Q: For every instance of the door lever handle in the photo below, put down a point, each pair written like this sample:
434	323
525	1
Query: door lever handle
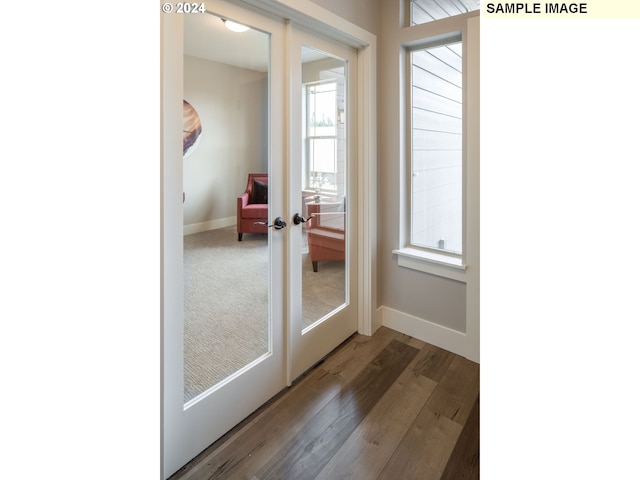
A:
298	219
278	223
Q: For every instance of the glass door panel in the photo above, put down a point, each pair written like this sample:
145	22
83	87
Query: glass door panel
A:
323	192
225	184
324	186
223	308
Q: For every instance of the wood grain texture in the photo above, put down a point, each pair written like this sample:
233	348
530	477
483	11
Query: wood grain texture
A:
424	450
457	390
306	454
379	434
464	462
434	362
382	407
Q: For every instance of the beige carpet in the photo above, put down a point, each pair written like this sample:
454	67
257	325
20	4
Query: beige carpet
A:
226	302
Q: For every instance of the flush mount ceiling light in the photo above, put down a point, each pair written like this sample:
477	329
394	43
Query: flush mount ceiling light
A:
234	27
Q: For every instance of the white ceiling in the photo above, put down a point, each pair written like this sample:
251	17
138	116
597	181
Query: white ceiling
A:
205	36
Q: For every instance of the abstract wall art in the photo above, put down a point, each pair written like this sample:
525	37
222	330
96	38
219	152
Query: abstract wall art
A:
191	129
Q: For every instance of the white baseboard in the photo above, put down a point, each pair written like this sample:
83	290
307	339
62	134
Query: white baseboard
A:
443	337
210	225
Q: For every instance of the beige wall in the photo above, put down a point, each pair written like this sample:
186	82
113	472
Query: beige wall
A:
232	105
364	13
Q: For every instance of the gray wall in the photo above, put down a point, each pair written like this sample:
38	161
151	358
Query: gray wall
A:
436	299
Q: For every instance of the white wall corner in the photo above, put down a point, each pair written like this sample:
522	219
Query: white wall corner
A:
429	332
376	321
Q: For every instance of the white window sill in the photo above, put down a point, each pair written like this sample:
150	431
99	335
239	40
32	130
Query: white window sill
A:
433	263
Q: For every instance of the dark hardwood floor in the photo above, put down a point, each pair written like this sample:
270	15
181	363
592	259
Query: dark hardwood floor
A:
381	407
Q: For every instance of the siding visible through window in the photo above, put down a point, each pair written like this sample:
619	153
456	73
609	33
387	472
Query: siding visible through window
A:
424	11
436	148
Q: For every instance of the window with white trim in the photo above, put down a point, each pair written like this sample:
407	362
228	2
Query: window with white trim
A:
324	130
425	11
436	125
440	77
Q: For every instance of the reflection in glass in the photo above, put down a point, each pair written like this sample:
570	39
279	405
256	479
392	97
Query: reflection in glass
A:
226	293
324	187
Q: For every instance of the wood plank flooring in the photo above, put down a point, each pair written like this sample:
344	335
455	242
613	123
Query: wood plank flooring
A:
382	407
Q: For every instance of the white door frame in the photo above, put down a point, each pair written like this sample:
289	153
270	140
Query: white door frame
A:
310	15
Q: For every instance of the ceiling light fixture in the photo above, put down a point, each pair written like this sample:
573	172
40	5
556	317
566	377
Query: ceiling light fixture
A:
235	27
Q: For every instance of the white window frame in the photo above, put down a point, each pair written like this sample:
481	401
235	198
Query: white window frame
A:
309	138
411	109
426	260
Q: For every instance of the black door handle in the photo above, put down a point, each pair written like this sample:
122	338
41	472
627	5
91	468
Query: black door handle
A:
278	223
298	219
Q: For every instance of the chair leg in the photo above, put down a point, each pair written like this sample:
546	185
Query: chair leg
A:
239	237
315	266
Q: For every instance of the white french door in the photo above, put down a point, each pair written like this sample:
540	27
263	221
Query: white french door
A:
323	192
192	424
311	303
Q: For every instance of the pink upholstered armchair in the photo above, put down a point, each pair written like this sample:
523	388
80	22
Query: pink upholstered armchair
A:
253	205
325	234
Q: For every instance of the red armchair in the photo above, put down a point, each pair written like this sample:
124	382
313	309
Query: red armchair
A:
253	205
325	235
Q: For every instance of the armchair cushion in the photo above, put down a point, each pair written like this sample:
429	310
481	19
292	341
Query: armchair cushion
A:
260	192
258	211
